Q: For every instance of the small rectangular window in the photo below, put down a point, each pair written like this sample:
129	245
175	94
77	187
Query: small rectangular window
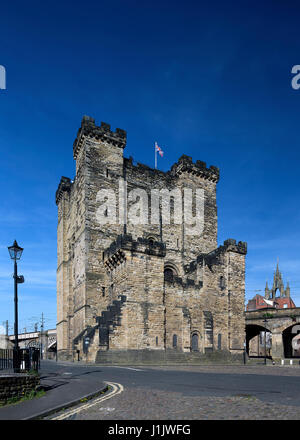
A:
174	341
222	283
103	291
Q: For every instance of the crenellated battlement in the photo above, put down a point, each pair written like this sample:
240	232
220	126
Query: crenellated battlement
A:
199	168
230	245
65	184
185	283
115	254
143	169
103	132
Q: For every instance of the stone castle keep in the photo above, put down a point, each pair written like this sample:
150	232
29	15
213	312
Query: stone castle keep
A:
128	292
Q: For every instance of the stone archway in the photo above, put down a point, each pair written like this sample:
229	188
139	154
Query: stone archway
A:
288	336
255	341
296	345
34	343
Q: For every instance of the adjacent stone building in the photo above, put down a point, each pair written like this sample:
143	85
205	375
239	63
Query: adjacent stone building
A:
277	297
133	277
271	298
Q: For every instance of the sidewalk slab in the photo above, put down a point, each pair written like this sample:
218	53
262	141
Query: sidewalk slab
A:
64	387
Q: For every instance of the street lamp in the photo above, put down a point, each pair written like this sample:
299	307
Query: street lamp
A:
15	253
265	322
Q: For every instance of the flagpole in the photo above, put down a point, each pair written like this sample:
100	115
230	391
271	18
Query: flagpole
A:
155	155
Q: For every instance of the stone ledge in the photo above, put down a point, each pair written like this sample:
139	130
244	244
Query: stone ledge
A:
162	357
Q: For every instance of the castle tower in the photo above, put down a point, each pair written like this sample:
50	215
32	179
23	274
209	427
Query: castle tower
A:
132	272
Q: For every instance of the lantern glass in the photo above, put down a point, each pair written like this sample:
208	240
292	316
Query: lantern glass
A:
15	251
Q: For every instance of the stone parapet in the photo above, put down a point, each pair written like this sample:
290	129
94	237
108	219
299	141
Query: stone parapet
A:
65	184
199	168
103	132
141	245
212	258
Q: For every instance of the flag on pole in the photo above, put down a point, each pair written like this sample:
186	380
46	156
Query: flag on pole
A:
160	152
157	148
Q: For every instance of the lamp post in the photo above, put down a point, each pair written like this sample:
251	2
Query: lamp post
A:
265	322
15	253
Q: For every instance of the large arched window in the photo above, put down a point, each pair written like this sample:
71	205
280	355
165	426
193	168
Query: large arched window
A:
174	341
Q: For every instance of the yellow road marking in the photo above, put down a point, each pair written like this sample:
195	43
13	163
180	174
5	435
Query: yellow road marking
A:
117	388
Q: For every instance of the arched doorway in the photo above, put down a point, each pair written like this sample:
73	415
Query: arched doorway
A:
290	338
258	341
195	342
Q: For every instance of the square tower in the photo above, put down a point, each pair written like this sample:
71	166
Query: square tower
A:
138	263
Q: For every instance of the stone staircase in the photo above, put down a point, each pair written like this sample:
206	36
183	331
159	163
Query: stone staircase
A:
106	323
109	320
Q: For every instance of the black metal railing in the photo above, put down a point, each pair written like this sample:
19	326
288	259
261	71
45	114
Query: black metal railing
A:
6	359
26	359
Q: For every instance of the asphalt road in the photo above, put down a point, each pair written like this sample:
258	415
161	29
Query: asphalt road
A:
269	384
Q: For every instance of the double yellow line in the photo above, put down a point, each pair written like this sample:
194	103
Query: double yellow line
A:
117	388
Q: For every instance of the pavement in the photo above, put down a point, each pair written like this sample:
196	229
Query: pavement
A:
63	389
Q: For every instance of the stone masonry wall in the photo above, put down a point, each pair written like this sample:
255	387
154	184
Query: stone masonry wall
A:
17	385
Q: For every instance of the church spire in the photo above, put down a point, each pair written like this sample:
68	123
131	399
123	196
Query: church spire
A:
267	291
277	282
287	290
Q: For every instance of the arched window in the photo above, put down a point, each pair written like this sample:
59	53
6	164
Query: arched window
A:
174	341
168	274
156	340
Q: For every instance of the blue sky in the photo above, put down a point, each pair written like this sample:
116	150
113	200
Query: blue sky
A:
211	80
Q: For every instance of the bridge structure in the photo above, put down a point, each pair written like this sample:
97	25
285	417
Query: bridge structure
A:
45	340
284	326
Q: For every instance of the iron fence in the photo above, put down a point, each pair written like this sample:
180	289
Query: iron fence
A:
27	359
6	359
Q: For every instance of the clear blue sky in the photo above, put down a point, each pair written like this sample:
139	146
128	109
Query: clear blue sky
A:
208	79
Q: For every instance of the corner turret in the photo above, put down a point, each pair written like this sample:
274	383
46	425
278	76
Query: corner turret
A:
103	132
